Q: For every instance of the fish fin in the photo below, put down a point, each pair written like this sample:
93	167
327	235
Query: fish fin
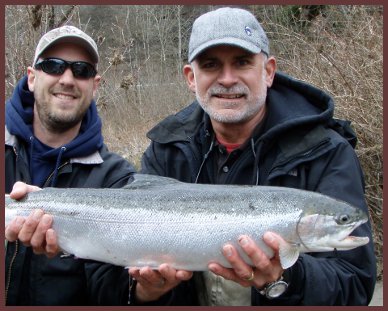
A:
145	181
288	254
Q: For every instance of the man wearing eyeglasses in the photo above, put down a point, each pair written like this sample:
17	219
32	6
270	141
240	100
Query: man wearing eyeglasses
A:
53	139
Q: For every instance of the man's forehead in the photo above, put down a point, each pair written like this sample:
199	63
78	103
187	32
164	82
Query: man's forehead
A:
222	50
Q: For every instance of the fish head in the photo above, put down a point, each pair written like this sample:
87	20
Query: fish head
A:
329	227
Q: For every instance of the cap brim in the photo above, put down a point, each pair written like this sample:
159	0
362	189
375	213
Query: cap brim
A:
225	41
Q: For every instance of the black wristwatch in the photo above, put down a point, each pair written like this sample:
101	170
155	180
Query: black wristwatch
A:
274	289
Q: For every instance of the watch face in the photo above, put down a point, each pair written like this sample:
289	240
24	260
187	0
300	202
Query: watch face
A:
276	289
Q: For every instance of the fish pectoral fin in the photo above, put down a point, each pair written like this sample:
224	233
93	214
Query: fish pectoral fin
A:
288	254
145	181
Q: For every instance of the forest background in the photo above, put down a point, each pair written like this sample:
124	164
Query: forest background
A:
338	48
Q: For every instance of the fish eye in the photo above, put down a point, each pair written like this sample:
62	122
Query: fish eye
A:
343	219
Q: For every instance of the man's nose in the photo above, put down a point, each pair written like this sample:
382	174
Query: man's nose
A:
67	77
228	76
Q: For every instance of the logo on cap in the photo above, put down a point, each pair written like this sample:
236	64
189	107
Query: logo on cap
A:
248	31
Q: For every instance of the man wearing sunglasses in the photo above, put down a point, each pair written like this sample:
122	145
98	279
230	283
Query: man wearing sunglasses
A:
53	139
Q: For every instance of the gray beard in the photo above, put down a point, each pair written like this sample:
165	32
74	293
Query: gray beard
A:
236	117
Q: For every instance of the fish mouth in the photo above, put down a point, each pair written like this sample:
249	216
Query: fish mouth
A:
346	241
350	242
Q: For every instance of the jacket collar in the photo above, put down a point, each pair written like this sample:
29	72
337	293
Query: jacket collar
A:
179	127
94	158
10	140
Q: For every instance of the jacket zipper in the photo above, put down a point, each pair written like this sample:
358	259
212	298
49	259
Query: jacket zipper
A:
15	252
10	270
52	173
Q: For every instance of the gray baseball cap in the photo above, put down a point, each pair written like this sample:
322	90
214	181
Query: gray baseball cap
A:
227	26
67	34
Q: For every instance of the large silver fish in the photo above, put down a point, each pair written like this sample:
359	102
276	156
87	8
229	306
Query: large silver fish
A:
158	220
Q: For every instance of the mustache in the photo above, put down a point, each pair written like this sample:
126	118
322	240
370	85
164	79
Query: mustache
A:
235	89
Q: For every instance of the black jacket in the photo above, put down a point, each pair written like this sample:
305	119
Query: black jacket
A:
300	146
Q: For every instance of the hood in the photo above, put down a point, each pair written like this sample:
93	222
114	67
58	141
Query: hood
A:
290	104
294	104
19	116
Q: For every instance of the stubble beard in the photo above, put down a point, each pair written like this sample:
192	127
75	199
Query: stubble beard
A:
59	122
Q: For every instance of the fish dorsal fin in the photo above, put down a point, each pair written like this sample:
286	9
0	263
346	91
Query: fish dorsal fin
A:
145	181
288	254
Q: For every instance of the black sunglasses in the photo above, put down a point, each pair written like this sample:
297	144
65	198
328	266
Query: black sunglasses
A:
57	66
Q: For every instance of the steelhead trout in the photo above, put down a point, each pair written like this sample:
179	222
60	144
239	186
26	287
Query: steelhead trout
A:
157	220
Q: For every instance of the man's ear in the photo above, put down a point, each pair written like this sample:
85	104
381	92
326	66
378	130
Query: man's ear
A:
96	84
188	72
31	78
270	68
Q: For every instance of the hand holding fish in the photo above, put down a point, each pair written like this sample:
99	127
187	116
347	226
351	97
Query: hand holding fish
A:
34	230
152	284
265	269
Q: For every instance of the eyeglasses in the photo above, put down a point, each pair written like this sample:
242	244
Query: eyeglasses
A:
57	66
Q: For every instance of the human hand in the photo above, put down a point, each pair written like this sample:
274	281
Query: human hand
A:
265	269
152	284
34	230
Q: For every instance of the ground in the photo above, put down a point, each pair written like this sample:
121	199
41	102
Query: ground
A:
377	299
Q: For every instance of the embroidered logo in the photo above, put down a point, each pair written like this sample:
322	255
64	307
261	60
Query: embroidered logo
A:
248	31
